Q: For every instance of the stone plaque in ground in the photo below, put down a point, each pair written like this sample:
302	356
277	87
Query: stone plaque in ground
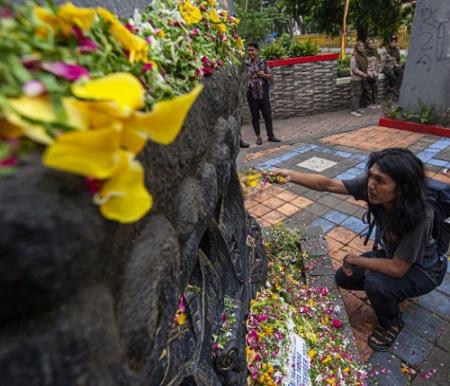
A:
427	73
317	164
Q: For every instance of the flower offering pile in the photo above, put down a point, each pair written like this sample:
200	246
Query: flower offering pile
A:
289	306
91	89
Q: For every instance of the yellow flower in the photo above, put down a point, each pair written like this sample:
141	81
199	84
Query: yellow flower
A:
65	18
212	3
81	17
31	114
180	319
136	46
161	34
331	381
123	197
312	354
213	16
86	153
190	13
122	88
165	121
222	28
253	179
239	43
224	14
326	359
311	337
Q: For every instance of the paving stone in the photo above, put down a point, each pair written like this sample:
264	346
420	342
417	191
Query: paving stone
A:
444	339
320	266
298	189
445	286
313	242
348	208
325	225
386	370
318	209
330	201
437	367
335	216
421	381
303	217
355	224
314	196
423	323
411	348
436	301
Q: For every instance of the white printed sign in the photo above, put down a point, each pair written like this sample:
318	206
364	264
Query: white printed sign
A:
299	375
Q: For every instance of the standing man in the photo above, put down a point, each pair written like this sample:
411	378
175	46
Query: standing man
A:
258	76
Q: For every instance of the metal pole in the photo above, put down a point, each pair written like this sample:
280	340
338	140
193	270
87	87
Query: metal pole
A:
344	29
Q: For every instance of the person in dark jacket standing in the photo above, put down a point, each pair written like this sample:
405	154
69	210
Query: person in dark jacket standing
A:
370	88
392	67
258	76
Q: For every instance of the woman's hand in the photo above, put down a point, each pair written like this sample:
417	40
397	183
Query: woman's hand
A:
286	173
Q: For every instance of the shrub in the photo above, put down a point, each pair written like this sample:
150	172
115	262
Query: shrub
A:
273	51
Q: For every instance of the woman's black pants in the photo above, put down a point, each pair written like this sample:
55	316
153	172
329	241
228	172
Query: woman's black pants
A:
255	106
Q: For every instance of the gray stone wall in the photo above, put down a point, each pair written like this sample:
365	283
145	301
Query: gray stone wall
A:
309	88
86	301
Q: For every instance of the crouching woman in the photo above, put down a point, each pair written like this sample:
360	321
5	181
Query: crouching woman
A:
403	264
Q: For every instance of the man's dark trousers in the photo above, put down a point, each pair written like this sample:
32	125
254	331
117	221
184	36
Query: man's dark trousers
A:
264	105
385	292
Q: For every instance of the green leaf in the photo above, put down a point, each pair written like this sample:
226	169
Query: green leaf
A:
7	171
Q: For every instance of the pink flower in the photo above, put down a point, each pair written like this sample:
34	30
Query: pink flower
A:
6	13
9	161
336	323
262	318
224	317
93	185
182	304
33	88
215	346
130	27
323	291
70	72
195	32
223	37
85	45
149	40
147	67
31	62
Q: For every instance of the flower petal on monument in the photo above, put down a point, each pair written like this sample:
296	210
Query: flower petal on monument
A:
165	121
87	153
81	17
123	197
121	87
133	140
136	46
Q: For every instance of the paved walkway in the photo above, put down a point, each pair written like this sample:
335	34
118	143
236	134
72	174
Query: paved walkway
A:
421	354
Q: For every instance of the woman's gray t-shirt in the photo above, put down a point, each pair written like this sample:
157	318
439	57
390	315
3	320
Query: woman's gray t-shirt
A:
417	246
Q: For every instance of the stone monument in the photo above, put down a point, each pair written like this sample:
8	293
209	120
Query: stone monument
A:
427	73
85	301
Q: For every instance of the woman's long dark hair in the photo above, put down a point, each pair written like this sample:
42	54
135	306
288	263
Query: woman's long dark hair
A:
409	175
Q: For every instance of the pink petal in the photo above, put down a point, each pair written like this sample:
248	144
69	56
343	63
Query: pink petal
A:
10	161
70	72
87	45
33	88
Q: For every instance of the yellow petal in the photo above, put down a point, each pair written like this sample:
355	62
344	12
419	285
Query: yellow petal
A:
121	87
165	121
87	153
133	140
136	46
100	114
123	197
81	17
41	109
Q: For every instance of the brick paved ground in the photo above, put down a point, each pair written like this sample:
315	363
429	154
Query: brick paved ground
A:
424	344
